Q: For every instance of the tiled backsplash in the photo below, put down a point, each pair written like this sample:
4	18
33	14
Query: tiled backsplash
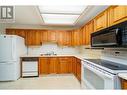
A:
49	47
90	53
115	55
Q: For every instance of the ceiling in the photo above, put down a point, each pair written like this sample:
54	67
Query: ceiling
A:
30	15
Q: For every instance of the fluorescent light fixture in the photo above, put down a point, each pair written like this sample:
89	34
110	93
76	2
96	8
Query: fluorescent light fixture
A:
75	9
59	19
67	14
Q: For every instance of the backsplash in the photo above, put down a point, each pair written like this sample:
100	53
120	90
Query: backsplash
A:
52	47
90	53
115	55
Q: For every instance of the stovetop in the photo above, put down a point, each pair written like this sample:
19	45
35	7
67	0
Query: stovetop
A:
108	64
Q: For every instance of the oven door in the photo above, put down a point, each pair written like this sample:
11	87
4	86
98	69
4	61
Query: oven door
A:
95	79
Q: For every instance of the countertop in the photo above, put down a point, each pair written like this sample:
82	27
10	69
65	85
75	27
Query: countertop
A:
79	56
123	75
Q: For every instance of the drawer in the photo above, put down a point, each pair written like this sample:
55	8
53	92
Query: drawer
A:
29	66
29	74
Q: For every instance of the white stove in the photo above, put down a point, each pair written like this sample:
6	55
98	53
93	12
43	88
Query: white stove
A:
101	74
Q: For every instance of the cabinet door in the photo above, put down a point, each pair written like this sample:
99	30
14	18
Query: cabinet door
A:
124	84
10	31
44	36
117	14
77	37
70	62
78	63
53	65
63	63
52	36
34	37
43	65
74	70
101	21
88	30
83	35
19	32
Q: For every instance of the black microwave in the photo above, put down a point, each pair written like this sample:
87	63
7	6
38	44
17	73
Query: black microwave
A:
114	36
106	38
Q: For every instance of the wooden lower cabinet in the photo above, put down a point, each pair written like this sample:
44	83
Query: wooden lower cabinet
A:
53	65
43	65
78	69
60	65
124	84
65	65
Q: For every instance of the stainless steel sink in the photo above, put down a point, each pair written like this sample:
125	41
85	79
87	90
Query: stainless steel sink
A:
48	54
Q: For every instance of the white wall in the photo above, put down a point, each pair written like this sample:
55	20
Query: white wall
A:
2	28
115	55
49	47
90	53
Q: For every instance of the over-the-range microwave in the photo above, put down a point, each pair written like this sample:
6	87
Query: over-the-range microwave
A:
115	36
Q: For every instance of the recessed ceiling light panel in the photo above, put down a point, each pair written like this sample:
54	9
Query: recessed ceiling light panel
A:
62	9
59	19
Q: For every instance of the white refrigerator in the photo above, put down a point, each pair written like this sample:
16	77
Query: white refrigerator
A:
11	48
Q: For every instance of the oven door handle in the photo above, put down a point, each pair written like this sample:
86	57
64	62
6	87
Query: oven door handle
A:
99	72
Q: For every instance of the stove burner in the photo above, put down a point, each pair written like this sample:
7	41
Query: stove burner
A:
108	64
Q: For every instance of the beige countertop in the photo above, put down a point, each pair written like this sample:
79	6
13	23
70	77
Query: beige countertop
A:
75	55
123	75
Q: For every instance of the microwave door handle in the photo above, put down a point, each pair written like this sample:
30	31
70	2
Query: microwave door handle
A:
99	73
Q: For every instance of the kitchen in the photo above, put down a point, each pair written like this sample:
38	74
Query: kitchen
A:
77	47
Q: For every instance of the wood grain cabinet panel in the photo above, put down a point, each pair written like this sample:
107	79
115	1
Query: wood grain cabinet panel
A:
52	36
117	14
86	33
33	38
101	21
53	65
78	69
77	37
44	65
19	32
44	36
63	63
74	66
124	84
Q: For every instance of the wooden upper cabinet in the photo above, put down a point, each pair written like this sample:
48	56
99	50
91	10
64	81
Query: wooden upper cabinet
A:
33	37
87	30
101	21
83	35
19	32
64	38
44	36
48	36
77	37
52	36
117	14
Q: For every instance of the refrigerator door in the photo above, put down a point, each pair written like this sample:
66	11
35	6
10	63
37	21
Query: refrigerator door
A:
9	71
6	48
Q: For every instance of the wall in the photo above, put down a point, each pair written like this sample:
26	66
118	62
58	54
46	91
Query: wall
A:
2	28
90	53
115	55
49	47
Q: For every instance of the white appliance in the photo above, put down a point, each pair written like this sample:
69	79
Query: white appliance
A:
30	67
11	48
101	74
